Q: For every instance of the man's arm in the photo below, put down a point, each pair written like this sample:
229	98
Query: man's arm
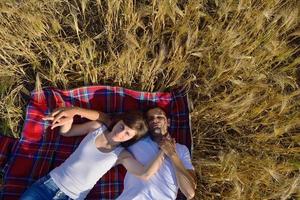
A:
185	178
135	167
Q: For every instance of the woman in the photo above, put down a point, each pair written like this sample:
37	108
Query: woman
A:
98	152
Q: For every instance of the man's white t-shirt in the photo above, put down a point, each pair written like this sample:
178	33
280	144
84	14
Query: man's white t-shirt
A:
163	184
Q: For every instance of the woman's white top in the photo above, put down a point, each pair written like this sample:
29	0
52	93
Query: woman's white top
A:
84	167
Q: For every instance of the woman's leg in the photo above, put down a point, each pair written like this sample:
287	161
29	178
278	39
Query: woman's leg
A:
44	189
37	190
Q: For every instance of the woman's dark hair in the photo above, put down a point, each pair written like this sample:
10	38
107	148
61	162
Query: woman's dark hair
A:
136	121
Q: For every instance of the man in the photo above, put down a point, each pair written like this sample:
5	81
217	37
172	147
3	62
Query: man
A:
175	173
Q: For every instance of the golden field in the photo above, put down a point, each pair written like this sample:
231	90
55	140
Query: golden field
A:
239	61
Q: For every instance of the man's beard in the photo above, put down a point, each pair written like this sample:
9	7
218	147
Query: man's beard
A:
156	134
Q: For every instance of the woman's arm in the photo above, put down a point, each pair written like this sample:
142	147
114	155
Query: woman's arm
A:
79	129
68	129
62	114
63	118
135	167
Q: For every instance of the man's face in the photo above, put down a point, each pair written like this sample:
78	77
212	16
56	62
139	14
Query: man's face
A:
157	118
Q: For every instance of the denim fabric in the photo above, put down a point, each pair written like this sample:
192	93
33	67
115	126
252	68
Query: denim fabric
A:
44	189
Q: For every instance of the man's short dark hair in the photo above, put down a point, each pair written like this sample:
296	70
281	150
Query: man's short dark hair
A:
157	107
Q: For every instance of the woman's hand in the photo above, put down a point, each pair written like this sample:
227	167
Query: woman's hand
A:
62	117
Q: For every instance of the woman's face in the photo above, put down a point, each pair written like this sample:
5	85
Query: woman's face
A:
121	132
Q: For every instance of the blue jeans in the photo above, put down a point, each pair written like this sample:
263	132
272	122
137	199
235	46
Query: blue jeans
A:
44	189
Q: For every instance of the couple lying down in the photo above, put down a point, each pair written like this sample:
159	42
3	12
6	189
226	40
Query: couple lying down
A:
156	165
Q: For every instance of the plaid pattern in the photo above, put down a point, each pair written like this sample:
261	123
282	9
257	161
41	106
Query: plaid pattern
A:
41	149
7	145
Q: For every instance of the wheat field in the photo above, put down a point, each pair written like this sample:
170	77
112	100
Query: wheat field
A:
238	59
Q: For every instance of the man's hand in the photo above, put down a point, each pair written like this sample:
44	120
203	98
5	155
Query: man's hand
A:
61	116
168	146
186	181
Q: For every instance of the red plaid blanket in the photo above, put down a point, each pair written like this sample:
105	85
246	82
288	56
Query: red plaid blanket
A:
40	149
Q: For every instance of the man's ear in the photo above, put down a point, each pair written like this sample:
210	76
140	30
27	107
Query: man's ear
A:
169	122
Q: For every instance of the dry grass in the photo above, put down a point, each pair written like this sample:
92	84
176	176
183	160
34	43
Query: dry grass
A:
239	60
